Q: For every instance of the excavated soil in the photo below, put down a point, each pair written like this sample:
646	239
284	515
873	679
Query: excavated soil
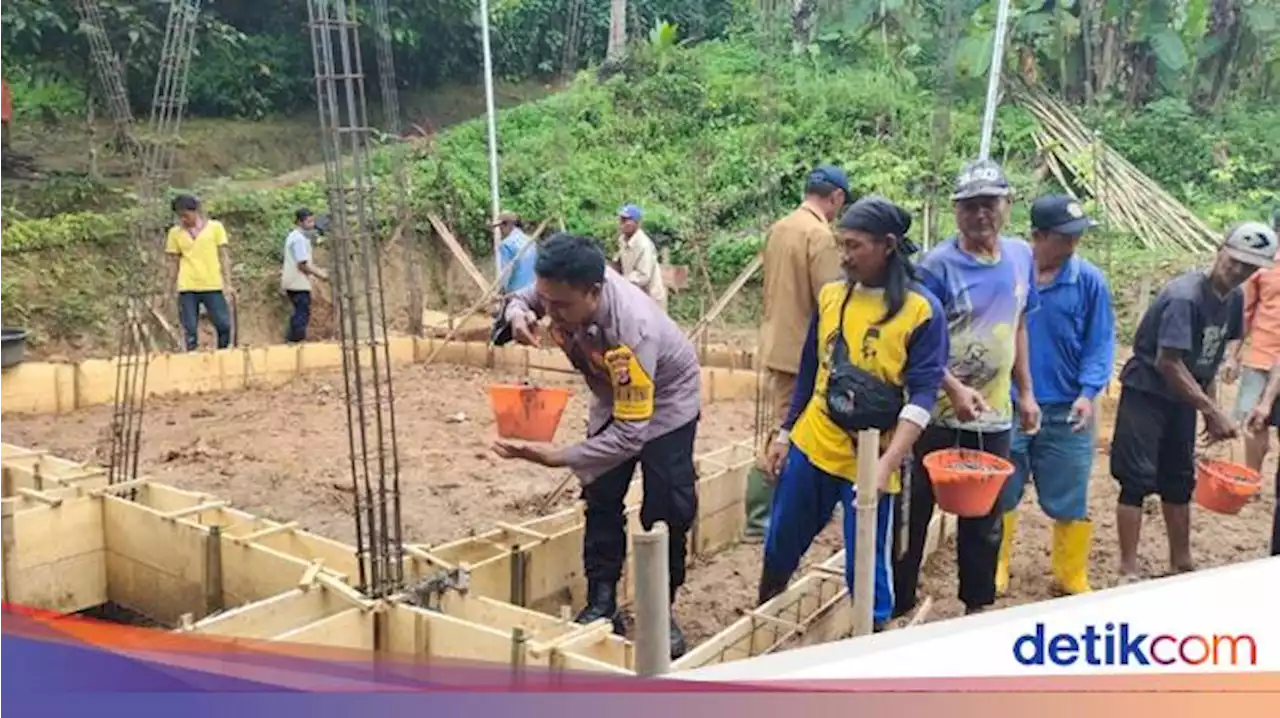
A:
283	454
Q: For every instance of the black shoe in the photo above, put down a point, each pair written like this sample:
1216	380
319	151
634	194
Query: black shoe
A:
678	646
771	584
602	602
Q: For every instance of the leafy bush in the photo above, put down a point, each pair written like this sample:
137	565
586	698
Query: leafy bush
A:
252	77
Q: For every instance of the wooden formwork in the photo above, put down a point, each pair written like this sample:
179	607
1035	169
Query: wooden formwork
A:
61	387
190	561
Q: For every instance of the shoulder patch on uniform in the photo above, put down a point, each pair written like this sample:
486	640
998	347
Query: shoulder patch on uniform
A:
633	390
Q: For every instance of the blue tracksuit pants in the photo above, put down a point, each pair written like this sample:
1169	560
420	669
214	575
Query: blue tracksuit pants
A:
803	502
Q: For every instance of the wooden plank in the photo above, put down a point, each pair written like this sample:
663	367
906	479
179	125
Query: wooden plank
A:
155	566
459	253
350	629
197	509
54	557
430	635
252	572
722	303
274	615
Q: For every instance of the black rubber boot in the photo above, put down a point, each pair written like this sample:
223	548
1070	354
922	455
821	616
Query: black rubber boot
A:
602	602
771	584
678	646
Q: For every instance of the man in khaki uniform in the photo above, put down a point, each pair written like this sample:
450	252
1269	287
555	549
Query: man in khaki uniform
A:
800	256
638	257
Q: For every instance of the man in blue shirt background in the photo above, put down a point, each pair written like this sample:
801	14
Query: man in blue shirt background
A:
514	240
1072	341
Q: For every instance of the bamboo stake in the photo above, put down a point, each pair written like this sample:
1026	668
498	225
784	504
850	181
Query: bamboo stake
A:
864	560
489	294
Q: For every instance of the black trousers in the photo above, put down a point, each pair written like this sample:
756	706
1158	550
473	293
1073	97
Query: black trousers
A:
1275	520
670	495
301	317
977	539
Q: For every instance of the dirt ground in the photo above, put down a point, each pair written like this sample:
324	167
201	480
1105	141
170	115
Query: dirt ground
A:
283	454
1216	540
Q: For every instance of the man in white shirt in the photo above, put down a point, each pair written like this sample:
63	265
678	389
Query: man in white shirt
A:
296	273
638	257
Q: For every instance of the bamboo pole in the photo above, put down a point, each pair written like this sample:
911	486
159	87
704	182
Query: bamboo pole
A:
1134	201
864	557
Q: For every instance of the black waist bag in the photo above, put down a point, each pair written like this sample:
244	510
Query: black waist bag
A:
856	399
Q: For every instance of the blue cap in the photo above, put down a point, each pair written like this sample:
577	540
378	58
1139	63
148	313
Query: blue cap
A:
831	175
631	212
1060	213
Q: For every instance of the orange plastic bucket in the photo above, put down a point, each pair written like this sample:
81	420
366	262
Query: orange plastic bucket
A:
1225	487
966	482
527	412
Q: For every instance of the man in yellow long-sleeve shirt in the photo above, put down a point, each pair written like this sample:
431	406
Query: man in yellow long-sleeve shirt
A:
874	357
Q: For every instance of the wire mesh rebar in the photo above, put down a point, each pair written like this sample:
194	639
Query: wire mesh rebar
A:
357	286
133	356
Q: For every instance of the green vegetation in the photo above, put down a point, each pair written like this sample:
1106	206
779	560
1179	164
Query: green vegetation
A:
713	139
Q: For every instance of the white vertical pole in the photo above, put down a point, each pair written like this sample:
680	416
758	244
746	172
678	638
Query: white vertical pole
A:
993	80
493	132
653	601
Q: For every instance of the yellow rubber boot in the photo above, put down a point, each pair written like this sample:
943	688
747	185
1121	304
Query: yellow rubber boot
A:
1010	519
1071	556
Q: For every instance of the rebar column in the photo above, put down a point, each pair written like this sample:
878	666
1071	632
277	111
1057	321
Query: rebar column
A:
357	285
133	356
107	68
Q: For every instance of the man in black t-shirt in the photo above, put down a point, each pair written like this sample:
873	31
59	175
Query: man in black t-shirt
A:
1176	353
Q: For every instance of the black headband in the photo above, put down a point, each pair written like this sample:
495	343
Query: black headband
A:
876	215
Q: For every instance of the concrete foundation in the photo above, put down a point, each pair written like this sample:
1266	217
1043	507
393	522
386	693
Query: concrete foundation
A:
195	564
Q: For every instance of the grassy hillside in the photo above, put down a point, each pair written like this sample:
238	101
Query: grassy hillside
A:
712	140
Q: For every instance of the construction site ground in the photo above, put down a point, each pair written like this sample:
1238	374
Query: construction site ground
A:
282	453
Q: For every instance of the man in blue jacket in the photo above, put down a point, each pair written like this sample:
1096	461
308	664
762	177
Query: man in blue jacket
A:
1072	343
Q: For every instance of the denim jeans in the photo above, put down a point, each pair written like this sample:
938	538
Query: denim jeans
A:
301	317
215	305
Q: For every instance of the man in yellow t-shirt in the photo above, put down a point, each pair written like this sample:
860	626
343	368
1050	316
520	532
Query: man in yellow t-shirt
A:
201	268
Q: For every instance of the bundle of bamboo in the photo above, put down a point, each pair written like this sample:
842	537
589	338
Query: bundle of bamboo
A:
1128	198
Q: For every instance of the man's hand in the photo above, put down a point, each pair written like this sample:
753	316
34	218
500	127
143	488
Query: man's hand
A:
1081	414
1218	426
884	473
1230	371
969	403
523	329
1258	418
541	455
1028	414
774	458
